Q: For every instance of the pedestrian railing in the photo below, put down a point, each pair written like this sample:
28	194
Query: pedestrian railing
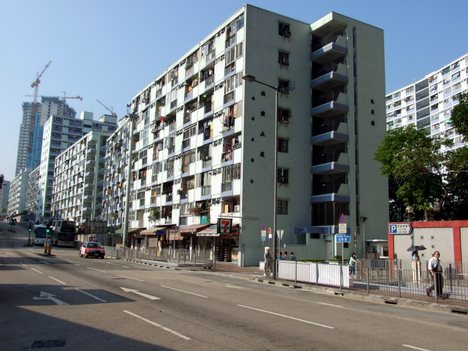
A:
168	255
313	272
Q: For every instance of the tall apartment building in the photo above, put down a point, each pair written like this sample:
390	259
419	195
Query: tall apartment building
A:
78	179
33	200
4	194
205	138
17	194
31	129
117	167
59	134
428	103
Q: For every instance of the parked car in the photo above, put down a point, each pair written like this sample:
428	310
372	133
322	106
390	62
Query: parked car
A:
92	249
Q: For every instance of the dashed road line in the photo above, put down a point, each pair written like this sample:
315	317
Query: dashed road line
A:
95	269
37	271
131	278
158	325
91	295
288	317
57	280
185	292
329	304
415	347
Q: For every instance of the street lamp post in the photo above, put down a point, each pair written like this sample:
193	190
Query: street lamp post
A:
252	78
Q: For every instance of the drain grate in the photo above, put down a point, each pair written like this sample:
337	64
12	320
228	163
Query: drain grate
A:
47	344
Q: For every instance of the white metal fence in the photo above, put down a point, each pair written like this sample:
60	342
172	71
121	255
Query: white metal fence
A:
316	273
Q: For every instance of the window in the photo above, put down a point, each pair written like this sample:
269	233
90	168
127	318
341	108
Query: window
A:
283	86
284	29
283	145
283	176
284	115
282	207
283	58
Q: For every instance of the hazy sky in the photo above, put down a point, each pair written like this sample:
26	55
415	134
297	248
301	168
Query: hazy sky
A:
110	49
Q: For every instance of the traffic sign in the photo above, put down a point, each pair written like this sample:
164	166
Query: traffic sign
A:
343	238
399	228
342	228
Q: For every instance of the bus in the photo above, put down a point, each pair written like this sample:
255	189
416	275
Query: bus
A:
63	233
40	232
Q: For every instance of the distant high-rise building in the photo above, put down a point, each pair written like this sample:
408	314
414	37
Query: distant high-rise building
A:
4	194
59	134
31	129
428	103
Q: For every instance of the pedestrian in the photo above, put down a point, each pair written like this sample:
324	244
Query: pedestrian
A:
268	263
416	265
286	256
293	257
435	270
281	256
352	264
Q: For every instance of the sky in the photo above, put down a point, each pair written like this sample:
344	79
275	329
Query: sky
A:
109	50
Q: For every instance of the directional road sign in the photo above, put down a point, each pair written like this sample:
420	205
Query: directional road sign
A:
343	238
399	228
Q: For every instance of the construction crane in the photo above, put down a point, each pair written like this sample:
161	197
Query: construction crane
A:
107	108
60	97
37	81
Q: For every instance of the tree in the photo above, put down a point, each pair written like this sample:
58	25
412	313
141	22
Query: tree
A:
412	160
456	200
154	215
459	116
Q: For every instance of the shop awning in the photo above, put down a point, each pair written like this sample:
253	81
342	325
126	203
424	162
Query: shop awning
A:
193	228
154	231
212	231
135	230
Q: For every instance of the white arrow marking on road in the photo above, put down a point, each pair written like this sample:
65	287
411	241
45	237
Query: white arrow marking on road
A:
151	297
158	325
286	316
49	296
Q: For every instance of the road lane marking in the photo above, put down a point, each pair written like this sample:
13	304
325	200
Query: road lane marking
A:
329	304
286	316
35	270
24	265
48	296
95	269
124	276
57	280
45	262
151	297
158	325
414	347
185	292
234	287
90	295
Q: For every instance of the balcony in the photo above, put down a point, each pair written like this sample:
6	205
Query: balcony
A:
328	138
333	48
336	76
339	166
335	105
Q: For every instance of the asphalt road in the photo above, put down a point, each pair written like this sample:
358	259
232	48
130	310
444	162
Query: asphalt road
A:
65	302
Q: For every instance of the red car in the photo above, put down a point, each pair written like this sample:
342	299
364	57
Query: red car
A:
92	249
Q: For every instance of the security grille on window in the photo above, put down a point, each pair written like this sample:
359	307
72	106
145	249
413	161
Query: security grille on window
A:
283	86
282	207
284	115
284	29
283	58
283	175
283	145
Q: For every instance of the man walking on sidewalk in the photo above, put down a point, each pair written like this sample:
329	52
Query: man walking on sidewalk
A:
435	270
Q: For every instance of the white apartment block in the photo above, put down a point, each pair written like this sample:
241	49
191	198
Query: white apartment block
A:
4	194
78	179
59	134
33	203
116	175
205	138
428	103
18	188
